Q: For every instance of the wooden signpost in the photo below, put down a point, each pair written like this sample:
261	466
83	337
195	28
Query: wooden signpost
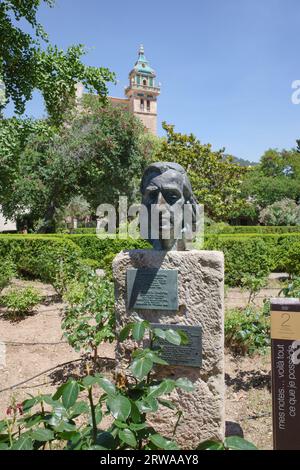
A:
285	352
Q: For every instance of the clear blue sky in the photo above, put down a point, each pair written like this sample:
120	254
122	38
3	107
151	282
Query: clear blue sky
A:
226	66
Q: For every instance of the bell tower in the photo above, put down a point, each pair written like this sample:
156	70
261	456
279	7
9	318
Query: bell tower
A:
142	92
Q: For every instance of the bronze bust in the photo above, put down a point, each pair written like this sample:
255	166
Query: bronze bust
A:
171	210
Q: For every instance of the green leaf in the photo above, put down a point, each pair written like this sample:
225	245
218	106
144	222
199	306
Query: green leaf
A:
88	381
4	446
210	445
143	407
33	420
167	403
107	386
141	367
137	426
159	333
166	386
64	426
185	384
162	443
138	330
23	443
183	337
127	436
70	394
173	337
49	400
120	424
79	408
238	443
124	333
28	404
156	359
105	440
98	414
135	413
42	435
119	407
148	405
59	391
153	403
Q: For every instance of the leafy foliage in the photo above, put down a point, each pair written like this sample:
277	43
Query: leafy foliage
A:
44	420
7	271
247	330
25	65
245	256
89	316
253	284
230	443
284	212
99	156
216	180
20	302
292	289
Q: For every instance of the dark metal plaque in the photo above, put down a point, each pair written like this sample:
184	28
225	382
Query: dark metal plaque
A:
154	289
184	355
285	354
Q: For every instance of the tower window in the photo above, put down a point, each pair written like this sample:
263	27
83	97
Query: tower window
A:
148	105
142	105
144	82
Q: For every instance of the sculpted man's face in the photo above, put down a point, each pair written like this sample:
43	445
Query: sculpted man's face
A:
164	199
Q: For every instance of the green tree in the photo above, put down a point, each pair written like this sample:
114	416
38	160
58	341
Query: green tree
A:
100	155
215	178
26	65
276	177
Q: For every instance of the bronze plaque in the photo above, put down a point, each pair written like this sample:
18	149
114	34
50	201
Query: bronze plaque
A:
183	355
152	289
285	353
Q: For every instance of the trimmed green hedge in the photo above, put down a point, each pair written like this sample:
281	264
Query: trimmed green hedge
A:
244	256
240	229
256	254
40	256
84	230
224	228
97	248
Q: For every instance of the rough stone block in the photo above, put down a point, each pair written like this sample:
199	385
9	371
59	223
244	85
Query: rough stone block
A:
200	301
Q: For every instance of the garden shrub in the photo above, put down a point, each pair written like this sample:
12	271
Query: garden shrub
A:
288	256
20	302
247	330
97	248
7	272
41	257
243	257
89	316
84	230
239	229
284	212
292	288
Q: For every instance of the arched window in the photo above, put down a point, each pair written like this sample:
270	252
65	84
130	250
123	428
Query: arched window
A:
145	82
142	105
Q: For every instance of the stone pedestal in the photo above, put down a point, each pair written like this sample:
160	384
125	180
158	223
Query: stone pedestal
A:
200	302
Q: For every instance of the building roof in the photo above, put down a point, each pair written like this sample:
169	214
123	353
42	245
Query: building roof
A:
142	64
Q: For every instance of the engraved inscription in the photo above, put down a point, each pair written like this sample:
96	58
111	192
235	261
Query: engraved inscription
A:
183	355
154	289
